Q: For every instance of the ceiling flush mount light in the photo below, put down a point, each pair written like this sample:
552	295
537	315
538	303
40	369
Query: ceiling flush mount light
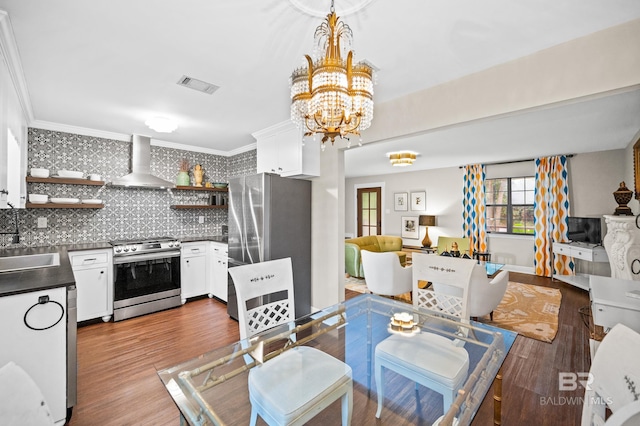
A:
332	96
402	159
161	124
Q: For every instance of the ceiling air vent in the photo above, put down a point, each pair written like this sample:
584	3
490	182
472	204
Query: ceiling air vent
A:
199	85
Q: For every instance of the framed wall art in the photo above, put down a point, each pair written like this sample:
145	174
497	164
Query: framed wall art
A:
400	201
410	227
418	201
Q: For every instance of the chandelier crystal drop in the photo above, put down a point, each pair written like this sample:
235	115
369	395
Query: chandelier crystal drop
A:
332	96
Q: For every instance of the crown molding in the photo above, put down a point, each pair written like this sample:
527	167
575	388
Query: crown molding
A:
9	51
283	126
58	127
193	148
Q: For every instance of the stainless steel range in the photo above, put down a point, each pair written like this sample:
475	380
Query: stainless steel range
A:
146	276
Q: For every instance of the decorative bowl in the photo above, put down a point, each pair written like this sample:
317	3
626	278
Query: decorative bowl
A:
220	185
38	198
40	173
70	174
65	200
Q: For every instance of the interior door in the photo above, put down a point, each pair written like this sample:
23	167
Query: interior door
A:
369	206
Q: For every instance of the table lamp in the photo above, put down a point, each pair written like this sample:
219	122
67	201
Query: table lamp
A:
426	221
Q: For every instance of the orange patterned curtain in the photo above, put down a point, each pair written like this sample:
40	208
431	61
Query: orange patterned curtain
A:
551	216
474	208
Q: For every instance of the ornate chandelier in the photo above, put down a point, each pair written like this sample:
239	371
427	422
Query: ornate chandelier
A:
332	96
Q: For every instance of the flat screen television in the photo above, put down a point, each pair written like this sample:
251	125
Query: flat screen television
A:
585	230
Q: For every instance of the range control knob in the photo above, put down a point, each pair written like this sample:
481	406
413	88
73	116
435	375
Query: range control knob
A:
171	244
126	249
177	243
118	249
134	248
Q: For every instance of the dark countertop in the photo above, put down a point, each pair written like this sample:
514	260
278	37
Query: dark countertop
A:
59	276
36	279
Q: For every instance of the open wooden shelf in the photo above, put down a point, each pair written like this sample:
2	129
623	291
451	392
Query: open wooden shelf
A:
66	181
202	188
196	206
64	206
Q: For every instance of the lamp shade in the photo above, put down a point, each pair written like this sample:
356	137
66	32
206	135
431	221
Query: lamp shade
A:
427	220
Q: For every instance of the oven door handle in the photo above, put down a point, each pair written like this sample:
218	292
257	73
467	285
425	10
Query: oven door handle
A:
143	257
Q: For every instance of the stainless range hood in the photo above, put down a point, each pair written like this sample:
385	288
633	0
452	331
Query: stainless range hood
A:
140	176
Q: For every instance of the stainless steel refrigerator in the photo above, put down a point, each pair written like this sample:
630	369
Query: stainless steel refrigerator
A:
270	218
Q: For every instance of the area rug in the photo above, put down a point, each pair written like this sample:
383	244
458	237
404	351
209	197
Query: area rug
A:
529	310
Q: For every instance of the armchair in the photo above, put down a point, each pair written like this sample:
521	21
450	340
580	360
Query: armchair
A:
385	275
484	294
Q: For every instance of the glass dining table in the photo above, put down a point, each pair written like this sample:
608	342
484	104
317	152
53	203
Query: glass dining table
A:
211	389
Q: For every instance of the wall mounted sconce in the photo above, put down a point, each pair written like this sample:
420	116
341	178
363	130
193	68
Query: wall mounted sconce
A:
426	221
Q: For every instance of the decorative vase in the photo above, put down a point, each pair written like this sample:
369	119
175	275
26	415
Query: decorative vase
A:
623	196
198	173
183	179
426	242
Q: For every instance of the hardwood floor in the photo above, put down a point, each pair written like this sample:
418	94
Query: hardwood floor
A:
118	385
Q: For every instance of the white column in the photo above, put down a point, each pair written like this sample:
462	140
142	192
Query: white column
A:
622	243
327	230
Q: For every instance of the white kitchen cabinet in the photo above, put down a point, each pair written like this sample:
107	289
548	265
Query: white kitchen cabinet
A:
588	252
218	281
13	135
193	270
41	353
280	150
93	272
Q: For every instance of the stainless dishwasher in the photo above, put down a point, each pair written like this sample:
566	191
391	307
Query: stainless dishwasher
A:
72	349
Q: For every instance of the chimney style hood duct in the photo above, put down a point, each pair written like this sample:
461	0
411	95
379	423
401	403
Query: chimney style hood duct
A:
140	176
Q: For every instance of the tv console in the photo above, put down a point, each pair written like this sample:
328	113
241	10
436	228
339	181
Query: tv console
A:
584	251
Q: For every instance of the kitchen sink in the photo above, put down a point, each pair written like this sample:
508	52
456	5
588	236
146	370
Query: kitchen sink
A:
29	261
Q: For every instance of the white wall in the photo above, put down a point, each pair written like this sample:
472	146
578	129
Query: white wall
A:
444	200
597	63
592	179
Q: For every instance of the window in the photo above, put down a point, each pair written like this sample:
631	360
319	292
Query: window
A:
509	203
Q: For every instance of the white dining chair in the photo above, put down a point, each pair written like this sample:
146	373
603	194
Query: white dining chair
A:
294	386
21	399
385	275
614	380
430	359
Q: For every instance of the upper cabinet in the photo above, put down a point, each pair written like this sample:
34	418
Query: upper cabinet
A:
13	126
281	151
